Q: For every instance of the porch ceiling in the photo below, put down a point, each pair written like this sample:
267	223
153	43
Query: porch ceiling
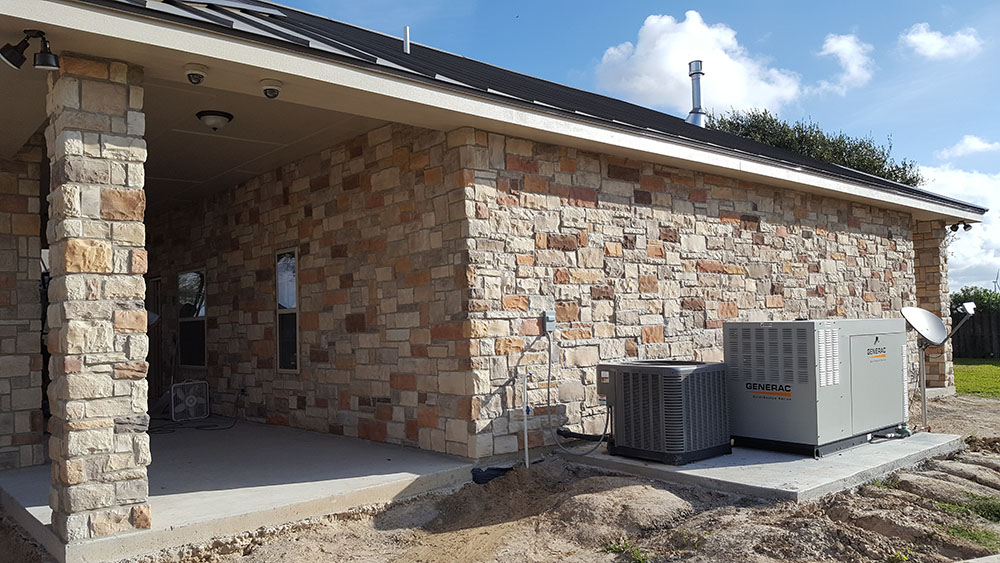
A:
186	160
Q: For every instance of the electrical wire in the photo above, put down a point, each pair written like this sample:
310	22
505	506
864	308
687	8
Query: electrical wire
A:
548	405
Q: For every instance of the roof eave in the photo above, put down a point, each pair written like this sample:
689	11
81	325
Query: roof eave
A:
476	105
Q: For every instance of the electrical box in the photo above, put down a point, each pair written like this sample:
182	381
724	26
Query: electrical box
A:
668	411
815	386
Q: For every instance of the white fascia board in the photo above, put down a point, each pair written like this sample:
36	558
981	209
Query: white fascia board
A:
505	117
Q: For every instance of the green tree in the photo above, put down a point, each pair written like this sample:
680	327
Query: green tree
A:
986	300
806	138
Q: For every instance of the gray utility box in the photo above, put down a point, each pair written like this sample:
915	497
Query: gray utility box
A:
672	412
815	386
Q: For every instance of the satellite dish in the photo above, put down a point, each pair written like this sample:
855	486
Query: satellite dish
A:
927	324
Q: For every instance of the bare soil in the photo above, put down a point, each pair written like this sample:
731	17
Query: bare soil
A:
945	510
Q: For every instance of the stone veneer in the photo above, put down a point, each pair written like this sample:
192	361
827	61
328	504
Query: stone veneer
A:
648	261
378	223
931	267
21	423
426	260
97	321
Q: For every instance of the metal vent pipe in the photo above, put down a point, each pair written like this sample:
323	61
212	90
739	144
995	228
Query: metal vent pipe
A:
697	115
406	39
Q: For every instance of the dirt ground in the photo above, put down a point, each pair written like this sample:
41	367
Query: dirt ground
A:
946	510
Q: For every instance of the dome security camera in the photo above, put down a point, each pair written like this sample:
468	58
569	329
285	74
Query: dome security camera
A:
195	73
271	88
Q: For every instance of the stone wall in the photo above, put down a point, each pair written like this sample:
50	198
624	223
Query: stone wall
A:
378	223
426	260
649	261
21	422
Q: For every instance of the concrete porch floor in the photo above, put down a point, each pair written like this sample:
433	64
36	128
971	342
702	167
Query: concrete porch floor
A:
785	476
205	484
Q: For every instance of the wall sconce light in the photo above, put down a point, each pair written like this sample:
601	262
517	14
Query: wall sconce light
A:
13	55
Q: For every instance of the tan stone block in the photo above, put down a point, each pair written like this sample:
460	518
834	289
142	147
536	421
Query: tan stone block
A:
567	311
123	205
461	137
89	442
86	256
129	233
515	302
141	517
87	337
135	97
103	97
648	284
652	334
728	310
64	94
123	148
84	386
582	356
520	147
82	67
118	72
124	287
509	345
112	521
774	301
130	321
139	262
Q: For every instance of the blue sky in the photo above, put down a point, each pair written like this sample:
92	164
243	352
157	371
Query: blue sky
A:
923	73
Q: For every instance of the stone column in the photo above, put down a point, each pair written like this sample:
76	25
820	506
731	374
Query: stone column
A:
99	446
931	276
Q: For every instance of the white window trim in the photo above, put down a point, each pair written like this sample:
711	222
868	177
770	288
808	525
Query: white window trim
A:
203	319
277	312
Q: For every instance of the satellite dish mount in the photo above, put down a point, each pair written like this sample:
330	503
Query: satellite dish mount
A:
932	333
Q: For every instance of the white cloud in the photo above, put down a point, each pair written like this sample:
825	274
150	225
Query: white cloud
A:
970	144
974	257
855	63
938	46
654	70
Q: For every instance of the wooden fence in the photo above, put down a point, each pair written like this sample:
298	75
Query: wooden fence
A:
979	338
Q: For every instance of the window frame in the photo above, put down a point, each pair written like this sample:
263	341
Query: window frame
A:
203	319
278	312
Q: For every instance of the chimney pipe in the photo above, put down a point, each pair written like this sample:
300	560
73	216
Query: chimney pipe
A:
406	39
697	115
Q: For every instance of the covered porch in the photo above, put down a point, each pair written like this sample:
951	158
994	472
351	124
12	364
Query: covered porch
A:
104	161
205	484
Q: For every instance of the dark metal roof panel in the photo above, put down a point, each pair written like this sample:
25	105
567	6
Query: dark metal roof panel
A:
275	24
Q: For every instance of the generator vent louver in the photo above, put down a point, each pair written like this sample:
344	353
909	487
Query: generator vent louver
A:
667	411
772	354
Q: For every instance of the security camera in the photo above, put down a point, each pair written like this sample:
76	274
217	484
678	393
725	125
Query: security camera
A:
271	88
195	73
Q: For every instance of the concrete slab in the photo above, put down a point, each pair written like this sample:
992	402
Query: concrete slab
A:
205	484
938	392
784	476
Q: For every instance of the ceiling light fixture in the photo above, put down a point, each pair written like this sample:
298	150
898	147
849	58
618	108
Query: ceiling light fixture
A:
13	55
214	119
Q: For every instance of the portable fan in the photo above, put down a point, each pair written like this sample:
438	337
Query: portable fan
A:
189	401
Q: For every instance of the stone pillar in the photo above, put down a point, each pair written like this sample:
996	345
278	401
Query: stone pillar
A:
99	446
931	276
22	440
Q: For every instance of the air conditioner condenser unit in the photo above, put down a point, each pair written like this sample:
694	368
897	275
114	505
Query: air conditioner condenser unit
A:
667	411
815	387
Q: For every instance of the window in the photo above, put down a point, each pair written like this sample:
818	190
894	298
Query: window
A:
286	279
191	300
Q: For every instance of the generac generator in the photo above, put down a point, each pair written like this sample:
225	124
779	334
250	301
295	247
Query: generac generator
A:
667	411
815	387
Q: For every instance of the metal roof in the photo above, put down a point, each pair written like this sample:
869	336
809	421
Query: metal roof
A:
286	27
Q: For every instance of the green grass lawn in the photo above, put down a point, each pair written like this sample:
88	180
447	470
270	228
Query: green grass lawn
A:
978	377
